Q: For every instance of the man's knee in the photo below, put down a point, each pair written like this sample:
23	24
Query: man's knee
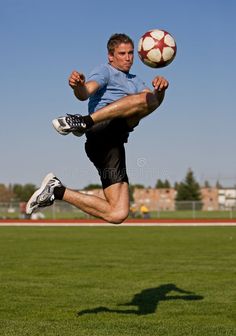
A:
148	102
119	216
153	101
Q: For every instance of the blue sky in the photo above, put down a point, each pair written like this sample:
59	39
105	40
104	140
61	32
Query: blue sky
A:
43	41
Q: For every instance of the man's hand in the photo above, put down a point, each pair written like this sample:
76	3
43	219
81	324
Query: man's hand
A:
82	89
76	80
160	83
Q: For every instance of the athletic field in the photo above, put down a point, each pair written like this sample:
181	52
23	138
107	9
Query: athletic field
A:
118	281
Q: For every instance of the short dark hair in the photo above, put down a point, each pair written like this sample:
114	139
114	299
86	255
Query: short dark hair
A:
116	39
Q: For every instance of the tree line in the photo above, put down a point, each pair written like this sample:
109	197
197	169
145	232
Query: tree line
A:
187	190
16	192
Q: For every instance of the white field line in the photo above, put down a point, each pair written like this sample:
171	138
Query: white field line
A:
206	224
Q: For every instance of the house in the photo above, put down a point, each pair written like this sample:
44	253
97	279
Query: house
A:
209	199
163	199
155	199
227	198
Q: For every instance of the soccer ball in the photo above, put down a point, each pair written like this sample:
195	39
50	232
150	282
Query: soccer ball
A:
157	48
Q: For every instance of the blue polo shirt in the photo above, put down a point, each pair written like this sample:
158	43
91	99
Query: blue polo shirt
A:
114	84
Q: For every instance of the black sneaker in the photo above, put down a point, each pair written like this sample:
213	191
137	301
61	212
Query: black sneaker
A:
71	123
44	196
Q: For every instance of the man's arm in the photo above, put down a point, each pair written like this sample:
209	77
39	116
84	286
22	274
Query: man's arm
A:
82	89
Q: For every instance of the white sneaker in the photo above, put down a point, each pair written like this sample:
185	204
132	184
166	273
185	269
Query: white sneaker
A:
44	196
70	123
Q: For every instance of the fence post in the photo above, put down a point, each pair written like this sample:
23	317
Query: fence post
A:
158	211
53	211
193	210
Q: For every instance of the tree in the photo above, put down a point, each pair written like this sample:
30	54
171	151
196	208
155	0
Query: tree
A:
189	190
6	194
159	184
131	190
138	186
218	185
162	185
92	186
167	184
176	185
22	193
207	184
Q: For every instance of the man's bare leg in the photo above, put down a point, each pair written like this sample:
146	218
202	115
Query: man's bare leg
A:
137	105
114	208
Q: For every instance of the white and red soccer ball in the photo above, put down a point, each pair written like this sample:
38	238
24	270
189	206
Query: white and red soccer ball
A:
157	48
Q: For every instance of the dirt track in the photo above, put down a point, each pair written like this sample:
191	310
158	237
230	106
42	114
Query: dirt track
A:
129	222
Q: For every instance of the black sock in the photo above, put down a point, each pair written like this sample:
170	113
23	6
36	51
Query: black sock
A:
59	192
88	121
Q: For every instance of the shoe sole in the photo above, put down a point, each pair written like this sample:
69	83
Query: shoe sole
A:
47	178
57	127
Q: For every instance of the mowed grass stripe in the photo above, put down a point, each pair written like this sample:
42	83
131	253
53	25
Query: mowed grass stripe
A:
117	281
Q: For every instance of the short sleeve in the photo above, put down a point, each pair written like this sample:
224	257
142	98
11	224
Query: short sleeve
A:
100	75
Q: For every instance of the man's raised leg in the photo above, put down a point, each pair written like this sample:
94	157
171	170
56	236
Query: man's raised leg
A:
135	106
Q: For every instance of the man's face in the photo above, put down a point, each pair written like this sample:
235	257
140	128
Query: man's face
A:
123	57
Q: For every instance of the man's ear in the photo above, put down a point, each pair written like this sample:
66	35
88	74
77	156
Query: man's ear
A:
110	58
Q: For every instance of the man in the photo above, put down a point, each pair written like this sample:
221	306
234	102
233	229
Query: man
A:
118	100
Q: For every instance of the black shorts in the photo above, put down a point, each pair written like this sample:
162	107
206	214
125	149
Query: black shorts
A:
105	148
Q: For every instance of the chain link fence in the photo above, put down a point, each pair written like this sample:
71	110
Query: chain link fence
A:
61	210
194	210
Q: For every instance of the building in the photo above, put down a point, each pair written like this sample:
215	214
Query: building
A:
163	199
210	199
155	199
227	198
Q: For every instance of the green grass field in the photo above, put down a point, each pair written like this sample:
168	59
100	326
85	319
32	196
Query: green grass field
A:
118	281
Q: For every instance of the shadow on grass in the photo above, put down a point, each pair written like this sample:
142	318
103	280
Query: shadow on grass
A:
147	300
